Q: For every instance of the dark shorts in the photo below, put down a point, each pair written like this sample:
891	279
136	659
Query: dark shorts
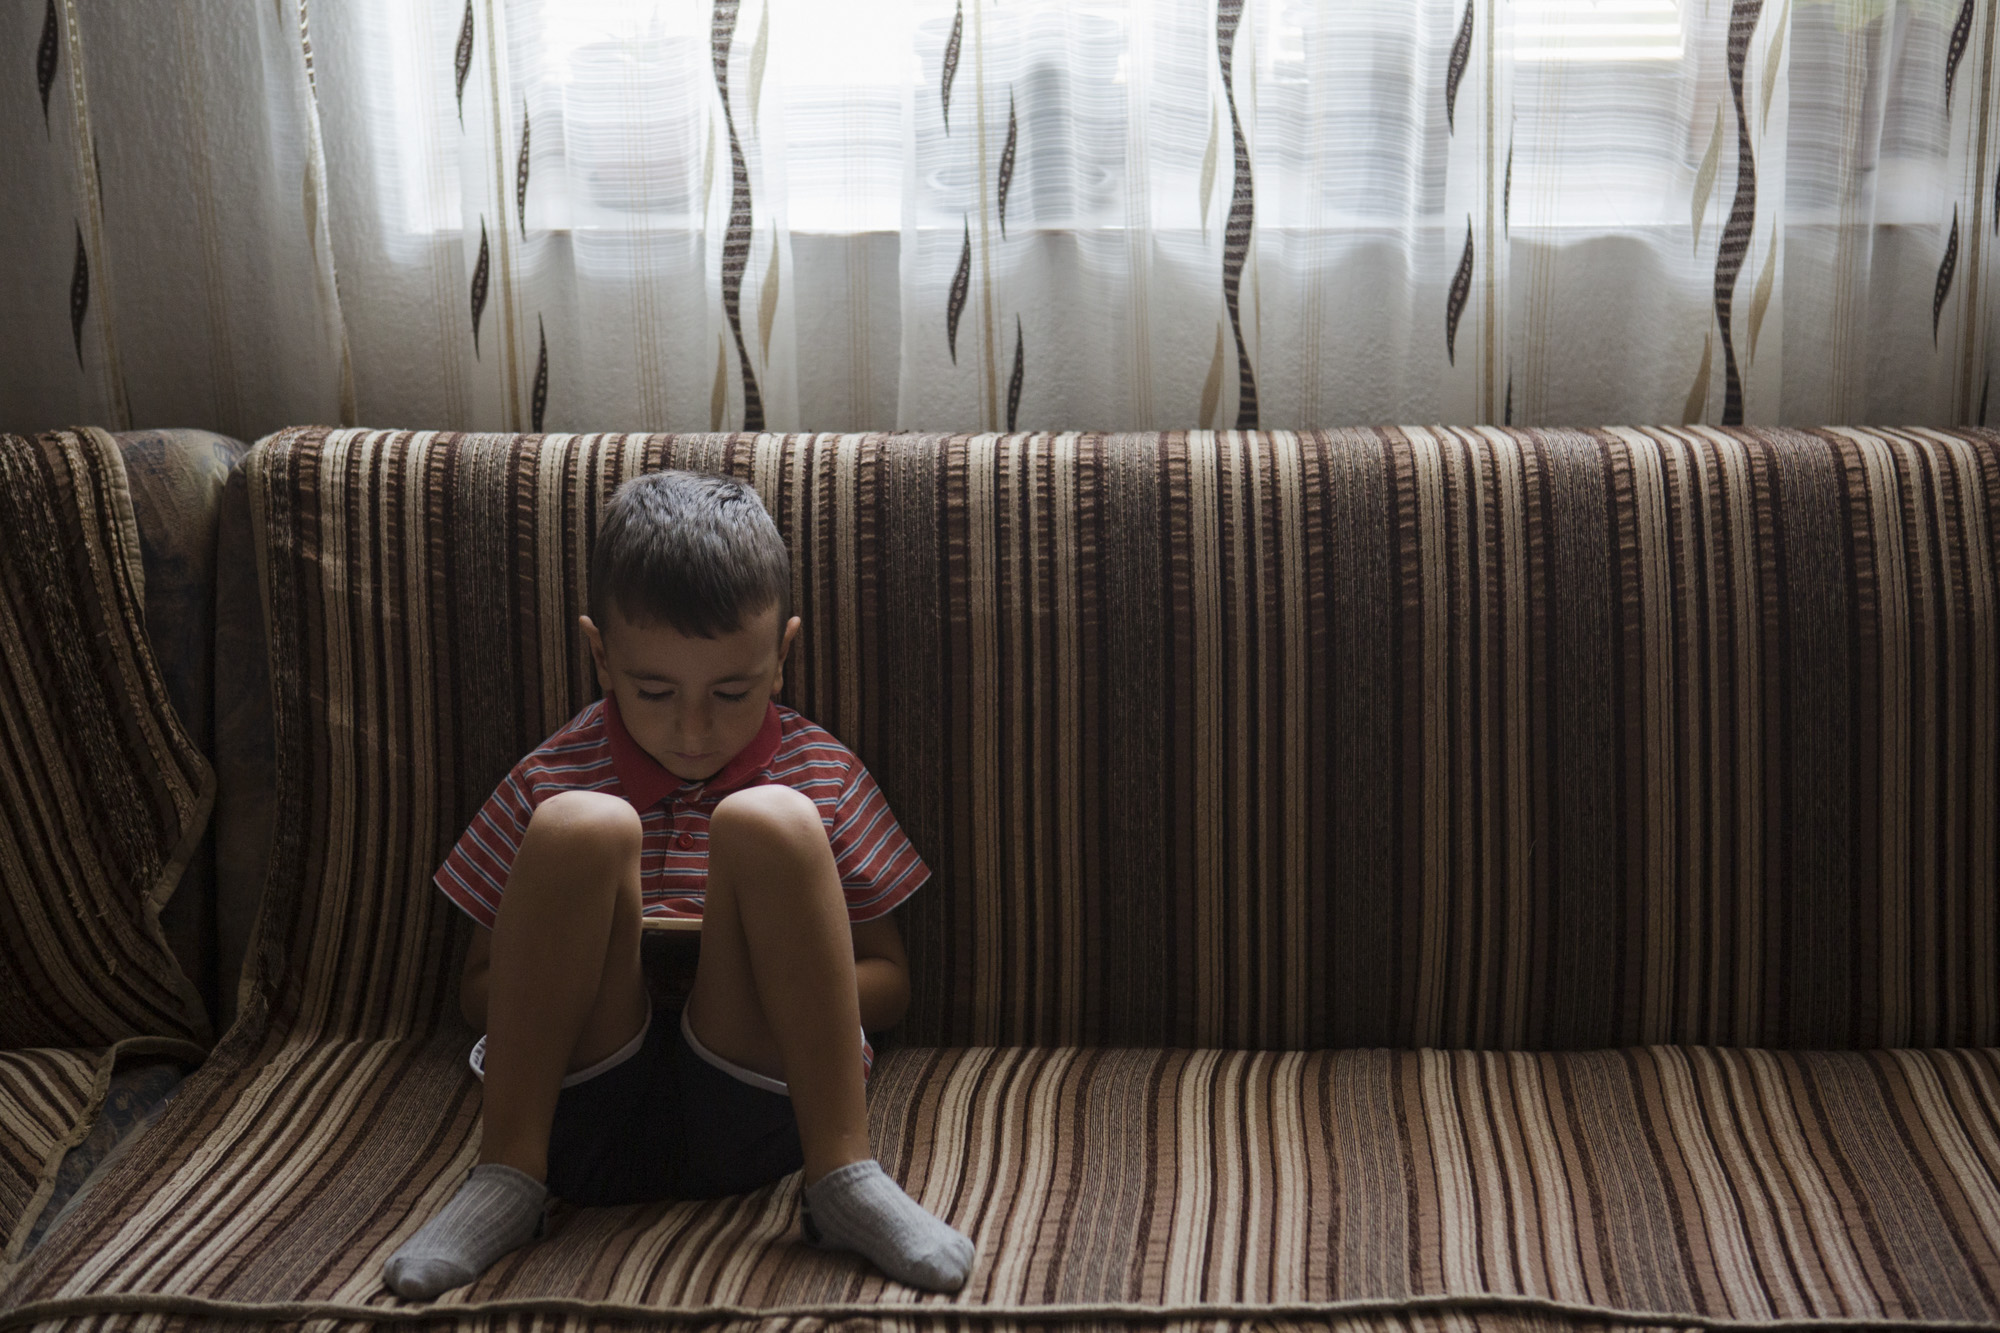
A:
666	1124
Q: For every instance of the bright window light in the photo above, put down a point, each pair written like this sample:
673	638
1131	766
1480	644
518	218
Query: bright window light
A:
1597	30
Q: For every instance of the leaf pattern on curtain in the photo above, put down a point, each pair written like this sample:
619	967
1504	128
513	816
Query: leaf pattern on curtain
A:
1742	212
1461	291
79	295
480	272
1207	186
1242	210
1774	57
461	60
1007	161
521	174
718	397
1946	268
541	400
961	285
45	61
1211	388
707	170
1507	414
1697	403
1507	191
767	303
1014	380
1762	299
951	62
736	239
1461	53
1704	180
760	52
1961	35
309	205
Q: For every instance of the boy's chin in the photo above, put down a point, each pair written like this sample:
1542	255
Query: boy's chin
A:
694	770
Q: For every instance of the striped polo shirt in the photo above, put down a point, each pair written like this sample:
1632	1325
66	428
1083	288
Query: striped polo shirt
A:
594	752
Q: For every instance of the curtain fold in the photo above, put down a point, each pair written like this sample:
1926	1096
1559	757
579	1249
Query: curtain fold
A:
973	215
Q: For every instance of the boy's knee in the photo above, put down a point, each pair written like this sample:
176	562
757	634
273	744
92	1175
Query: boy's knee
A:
588	824
766	815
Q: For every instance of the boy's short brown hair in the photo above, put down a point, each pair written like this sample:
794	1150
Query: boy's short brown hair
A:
690	549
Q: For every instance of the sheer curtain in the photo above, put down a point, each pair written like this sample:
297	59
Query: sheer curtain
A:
998	214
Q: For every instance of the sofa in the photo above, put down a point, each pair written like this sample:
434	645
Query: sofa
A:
1385	878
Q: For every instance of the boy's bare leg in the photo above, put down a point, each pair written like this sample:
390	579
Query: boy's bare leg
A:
563	991
565	988
775	992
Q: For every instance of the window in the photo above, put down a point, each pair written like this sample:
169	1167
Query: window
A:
1597	30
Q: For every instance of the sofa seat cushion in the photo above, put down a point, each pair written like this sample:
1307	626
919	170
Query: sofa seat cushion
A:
44	1101
62	1115
1740	1186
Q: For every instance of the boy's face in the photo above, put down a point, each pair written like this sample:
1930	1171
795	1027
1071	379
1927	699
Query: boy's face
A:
691	703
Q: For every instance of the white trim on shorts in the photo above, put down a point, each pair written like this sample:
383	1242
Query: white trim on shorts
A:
618	1057
730	1067
477	1059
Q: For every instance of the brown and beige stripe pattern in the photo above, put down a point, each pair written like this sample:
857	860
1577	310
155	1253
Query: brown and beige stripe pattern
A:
1456	738
102	794
1493	739
1482	739
1673	1186
45	1101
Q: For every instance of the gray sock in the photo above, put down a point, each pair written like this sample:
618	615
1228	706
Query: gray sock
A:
497	1209
859	1208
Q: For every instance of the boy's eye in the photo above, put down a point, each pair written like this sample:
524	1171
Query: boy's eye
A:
736	698
654	696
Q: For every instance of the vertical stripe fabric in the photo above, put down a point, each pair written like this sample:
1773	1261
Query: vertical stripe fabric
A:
1420	738
45	1101
1676	742
1117	1188
103	795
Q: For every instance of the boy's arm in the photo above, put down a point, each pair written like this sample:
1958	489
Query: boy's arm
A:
472	982
881	972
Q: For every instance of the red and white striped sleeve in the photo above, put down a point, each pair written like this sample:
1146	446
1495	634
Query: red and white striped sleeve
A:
878	866
475	873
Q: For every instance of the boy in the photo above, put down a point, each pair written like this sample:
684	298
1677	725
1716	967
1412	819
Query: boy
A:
685	792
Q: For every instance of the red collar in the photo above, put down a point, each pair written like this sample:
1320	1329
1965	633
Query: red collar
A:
646	780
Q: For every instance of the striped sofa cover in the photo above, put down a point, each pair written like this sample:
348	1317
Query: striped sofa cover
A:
1485	879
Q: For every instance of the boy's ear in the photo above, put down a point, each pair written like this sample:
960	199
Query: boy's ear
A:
596	641
785	651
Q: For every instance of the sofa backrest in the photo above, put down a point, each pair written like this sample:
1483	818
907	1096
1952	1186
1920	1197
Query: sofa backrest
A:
176	478
1476	738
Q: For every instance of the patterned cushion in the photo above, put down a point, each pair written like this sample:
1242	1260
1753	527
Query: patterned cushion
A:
105	795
